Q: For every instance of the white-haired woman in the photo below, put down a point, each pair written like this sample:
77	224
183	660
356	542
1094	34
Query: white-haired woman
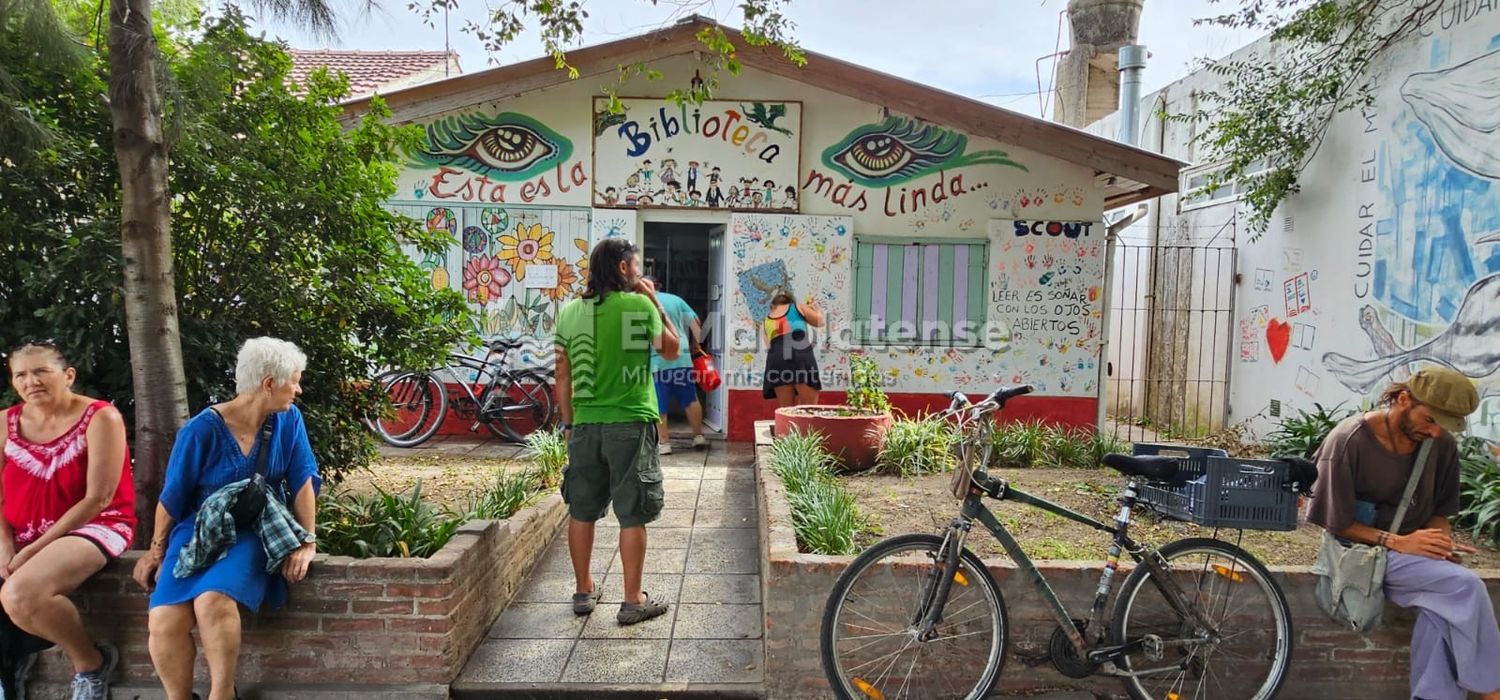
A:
215	453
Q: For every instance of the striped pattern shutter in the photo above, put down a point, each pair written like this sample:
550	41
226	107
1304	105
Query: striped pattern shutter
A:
920	293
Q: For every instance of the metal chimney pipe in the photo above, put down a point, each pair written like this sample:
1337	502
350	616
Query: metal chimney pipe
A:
1132	63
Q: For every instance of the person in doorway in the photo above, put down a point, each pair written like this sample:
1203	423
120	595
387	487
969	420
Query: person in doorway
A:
791	374
674	378
69	509
1363	468
605	392
207	558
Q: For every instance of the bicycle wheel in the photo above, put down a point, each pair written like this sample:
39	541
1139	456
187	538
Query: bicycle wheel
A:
517	405
1246	652
380	380
869	639
418	405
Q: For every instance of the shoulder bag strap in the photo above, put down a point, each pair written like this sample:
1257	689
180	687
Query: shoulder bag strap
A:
263	447
1411	484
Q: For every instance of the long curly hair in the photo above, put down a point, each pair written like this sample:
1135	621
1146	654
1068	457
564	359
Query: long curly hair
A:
604	268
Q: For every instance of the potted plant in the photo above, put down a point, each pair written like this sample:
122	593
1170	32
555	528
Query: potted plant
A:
855	431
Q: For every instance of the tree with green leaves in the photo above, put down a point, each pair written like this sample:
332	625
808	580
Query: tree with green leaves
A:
279	229
560	25
1270	114
142	143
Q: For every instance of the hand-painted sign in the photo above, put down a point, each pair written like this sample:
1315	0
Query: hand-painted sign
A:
717	155
495	158
1049	292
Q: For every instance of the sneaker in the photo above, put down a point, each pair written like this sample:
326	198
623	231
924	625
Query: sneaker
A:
664	448
700	442
94	685
631	613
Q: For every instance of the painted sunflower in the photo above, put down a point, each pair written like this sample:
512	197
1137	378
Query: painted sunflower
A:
565	281
530	245
583	260
484	279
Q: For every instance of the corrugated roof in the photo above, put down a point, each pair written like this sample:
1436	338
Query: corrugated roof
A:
369	71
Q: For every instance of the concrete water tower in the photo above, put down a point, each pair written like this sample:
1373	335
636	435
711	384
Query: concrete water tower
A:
1088	78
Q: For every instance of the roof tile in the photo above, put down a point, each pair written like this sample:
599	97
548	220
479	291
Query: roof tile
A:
368	71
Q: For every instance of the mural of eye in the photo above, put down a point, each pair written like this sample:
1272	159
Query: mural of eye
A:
876	156
901	149
505	147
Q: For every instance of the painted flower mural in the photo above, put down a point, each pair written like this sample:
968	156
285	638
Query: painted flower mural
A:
531	245
494	221
475	240
433	264
565	281
583	260
441	219
484	279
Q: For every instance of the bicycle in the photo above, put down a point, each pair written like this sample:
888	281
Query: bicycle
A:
510	403
1179	629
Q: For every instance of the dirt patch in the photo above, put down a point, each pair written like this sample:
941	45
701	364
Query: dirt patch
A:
445	480
835	412
924	504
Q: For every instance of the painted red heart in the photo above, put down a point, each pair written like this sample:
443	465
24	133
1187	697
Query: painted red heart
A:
1278	337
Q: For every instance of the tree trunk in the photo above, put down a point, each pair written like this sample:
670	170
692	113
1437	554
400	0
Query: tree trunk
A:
146	240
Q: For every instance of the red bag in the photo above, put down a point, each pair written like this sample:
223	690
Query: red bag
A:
707	374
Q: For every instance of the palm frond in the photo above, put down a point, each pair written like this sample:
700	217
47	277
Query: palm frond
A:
318	16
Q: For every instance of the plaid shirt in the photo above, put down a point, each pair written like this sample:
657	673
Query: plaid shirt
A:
214	533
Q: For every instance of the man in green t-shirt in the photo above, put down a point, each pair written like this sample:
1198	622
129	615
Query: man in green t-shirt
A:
674	378
608	401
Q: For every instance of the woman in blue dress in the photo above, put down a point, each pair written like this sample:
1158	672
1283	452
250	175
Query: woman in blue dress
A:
215	449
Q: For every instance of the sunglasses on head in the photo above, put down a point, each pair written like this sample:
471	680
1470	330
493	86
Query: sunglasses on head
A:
47	343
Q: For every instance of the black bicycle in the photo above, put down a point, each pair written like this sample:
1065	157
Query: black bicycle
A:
510	403
919	616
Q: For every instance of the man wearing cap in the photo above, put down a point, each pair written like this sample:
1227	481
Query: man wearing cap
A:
1363	468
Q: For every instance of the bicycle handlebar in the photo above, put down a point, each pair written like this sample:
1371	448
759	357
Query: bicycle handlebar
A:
994	402
1004	394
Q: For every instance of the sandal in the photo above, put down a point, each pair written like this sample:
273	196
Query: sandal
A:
583	603
632	613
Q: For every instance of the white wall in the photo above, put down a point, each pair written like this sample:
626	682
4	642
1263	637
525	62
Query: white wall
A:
1389	236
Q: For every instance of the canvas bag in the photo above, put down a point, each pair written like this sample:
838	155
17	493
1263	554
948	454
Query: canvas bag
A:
1351	579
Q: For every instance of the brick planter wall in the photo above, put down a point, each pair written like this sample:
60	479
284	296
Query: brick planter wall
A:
352	622
1328	663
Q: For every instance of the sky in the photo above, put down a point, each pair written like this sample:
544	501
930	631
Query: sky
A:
985	49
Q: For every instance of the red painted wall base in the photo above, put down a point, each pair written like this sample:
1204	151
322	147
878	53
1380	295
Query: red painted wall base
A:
746	406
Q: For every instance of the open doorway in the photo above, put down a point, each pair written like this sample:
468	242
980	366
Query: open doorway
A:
687	258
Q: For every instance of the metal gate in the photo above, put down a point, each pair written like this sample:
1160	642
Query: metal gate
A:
1171	339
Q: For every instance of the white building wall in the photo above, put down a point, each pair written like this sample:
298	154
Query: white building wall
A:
1387	258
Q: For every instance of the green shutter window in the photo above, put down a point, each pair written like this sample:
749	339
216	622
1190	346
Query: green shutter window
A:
930	294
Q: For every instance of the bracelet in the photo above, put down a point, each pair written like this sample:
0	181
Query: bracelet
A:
1380	541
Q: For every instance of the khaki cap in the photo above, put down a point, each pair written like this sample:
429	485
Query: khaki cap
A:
1448	394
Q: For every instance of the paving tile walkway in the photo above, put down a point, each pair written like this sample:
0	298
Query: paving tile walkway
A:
702	557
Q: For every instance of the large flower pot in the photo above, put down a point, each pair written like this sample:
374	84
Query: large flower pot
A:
852	435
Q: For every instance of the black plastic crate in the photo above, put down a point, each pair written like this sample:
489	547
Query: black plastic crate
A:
1215	490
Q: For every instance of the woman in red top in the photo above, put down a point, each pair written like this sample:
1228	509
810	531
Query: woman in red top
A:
68	503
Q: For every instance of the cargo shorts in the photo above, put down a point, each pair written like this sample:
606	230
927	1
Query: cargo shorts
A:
613	462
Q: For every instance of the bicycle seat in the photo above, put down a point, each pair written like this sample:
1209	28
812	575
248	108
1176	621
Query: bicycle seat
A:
504	344
1152	468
